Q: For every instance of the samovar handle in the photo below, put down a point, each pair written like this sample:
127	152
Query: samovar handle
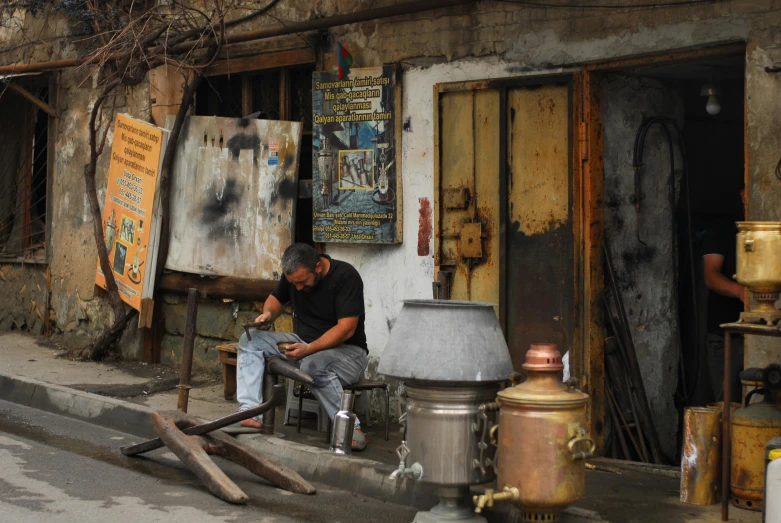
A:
580	436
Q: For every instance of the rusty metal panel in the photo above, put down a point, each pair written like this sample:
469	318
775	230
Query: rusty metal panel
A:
485	273
457	172
468	189
470	241
457	198
540	268
233	196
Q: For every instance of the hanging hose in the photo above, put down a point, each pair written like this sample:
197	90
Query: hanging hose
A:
683	393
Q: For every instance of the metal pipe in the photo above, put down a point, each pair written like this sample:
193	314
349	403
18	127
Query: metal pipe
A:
269	417
279	367
210	426
272	31
187	350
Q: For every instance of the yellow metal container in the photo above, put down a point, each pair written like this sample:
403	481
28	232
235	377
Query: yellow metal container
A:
759	267
542	444
701	456
752	427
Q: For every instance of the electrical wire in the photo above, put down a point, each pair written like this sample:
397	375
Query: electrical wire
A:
613	6
683	393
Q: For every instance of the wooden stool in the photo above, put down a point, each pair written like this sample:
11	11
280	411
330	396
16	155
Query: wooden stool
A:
228	355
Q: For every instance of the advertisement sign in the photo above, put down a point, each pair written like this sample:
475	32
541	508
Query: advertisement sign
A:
356	180
130	226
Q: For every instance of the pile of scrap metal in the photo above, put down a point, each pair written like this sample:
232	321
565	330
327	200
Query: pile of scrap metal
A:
634	435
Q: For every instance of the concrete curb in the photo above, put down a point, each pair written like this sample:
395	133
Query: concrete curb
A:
361	476
92	408
354	474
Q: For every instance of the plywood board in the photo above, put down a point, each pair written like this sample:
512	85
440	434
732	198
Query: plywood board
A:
233	196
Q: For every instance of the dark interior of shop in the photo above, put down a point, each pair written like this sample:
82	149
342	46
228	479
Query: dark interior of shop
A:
711	92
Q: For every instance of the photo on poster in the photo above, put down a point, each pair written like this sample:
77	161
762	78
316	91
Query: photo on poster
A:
127	230
356	170
120	254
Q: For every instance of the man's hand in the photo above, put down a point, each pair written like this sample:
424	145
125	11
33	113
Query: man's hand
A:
298	351
264	318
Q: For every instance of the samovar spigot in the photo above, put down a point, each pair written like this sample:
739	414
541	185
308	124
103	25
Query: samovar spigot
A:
414	472
490	497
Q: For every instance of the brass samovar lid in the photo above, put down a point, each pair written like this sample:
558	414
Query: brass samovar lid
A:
544	386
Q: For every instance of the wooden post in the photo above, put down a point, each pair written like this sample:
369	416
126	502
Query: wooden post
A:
187	351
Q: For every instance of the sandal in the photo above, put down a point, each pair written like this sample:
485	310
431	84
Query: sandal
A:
359	440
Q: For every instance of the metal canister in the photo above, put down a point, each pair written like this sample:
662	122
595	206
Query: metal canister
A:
542	442
701	456
445	427
344	423
752	427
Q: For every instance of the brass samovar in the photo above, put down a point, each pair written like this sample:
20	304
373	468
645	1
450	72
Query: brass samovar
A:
759	268
542	443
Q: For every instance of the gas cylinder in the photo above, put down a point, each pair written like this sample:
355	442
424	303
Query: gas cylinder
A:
753	425
542	443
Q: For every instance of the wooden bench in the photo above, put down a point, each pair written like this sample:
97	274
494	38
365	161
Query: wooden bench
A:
228	360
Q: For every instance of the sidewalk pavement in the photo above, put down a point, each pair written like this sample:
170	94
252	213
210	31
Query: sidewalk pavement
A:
121	395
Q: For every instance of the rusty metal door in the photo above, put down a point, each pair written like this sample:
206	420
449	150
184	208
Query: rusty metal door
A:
504	206
468	196
540	263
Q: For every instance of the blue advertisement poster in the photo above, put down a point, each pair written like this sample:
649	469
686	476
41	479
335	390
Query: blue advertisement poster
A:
356	187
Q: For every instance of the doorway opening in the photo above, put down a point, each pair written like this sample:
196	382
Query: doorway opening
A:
673	171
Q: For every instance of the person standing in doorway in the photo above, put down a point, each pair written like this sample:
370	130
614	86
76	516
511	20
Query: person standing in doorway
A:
725	302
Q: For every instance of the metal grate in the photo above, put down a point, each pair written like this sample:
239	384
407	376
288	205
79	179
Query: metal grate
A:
301	97
265	95
219	96
23	177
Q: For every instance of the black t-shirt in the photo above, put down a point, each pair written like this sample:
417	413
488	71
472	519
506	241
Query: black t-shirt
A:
721	239
338	295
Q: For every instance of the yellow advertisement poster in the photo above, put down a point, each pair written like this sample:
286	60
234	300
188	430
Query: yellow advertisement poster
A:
128	214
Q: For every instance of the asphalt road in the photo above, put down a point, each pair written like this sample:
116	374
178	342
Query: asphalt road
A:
55	470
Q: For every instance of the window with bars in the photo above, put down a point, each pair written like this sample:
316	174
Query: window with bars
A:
24	175
276	94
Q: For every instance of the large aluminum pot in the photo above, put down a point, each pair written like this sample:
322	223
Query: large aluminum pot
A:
446	341
444	429
759	256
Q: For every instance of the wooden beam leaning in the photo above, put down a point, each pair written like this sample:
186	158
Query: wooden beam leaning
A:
30	97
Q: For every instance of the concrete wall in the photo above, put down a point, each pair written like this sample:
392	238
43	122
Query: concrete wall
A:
644	272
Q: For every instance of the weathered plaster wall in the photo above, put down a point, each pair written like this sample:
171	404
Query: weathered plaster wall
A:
763	101
509	39
75	311
644	272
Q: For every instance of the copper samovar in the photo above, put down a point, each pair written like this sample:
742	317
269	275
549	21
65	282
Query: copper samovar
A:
542	443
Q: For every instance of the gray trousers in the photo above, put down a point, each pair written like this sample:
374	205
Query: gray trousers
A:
715	344
330	369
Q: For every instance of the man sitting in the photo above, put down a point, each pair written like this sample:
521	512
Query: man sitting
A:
329	343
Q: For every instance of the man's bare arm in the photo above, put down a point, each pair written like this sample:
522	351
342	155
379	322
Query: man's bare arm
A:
716	281
272	308
339	333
